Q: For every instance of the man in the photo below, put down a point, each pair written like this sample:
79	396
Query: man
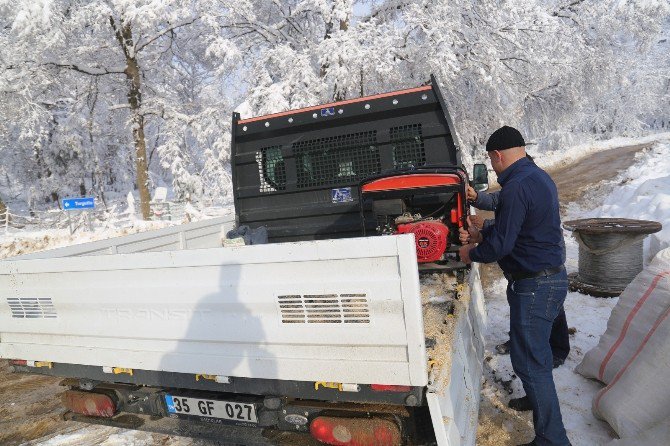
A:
560	338
485	202
527	241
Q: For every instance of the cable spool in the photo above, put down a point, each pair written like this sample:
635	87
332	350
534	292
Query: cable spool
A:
610	253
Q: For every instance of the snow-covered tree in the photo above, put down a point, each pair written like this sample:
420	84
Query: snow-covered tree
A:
119	56
99	95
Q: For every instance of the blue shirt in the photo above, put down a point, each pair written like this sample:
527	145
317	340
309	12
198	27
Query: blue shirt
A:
526	235
487	202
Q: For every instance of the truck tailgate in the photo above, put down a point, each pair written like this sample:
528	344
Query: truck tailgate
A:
345	310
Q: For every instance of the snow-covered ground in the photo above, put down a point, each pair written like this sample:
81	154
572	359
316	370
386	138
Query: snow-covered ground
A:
109	436
641	192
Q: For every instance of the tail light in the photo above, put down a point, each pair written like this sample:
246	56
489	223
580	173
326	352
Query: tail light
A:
26	363
355	431
389	388
89	403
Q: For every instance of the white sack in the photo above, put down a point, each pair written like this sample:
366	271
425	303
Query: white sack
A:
638	396
639	306
633	358
659	435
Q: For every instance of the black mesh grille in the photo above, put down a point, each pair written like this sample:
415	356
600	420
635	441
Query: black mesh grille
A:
407	143
337	159
271	168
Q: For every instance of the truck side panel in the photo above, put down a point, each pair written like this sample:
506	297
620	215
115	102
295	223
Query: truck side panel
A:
453	399
338	310
196	235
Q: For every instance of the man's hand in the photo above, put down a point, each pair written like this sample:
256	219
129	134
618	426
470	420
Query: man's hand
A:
472	235
477	221
464	253
470	194
463	236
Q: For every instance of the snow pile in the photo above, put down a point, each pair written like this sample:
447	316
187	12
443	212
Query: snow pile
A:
644	195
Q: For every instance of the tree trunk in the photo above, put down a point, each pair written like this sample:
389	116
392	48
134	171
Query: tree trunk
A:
124	35
135	100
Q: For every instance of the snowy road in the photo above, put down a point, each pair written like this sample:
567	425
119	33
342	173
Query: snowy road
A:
30	409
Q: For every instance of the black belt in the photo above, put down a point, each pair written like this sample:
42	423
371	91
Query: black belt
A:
526	275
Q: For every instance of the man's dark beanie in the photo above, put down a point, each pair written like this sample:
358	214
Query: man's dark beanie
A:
504	138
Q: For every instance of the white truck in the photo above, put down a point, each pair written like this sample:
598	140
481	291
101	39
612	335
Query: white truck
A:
318	335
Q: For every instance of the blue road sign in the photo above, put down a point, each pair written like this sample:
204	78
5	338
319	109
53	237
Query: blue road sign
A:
77	204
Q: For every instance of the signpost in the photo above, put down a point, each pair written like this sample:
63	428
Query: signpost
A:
78	204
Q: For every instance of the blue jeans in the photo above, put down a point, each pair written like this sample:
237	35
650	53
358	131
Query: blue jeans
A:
534	304
560	337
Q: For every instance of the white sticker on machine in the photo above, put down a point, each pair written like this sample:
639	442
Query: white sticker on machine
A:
341	195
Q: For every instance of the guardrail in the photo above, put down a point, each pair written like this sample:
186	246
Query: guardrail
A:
114	215
165	210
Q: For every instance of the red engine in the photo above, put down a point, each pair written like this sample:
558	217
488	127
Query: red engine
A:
430	237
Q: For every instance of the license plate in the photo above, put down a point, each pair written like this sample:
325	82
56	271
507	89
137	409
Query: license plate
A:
213	409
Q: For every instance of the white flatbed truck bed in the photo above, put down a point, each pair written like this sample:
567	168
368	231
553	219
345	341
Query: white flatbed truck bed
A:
315	321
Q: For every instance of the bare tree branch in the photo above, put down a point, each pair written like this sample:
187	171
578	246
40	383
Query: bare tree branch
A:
139	46
515	58
89	72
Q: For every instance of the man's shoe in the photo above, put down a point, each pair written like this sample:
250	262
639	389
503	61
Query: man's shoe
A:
558	362
520	404
503	349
